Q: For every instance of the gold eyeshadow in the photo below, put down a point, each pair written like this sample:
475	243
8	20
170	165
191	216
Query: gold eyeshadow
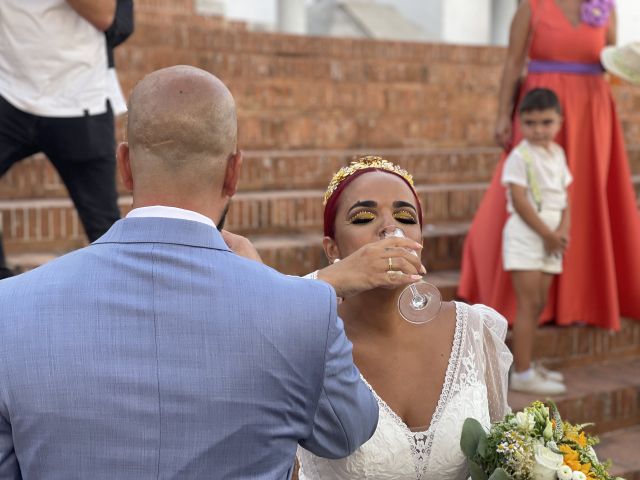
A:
405	215
362	216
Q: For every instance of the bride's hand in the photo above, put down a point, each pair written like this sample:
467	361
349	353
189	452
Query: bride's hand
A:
368	267
241	246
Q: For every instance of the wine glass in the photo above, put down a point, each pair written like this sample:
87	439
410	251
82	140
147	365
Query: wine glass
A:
420	302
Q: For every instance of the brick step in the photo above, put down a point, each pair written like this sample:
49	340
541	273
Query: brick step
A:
22	262
35	177
53	225
303	253
251	213
622	448
56	229
606	393
47	225
575	346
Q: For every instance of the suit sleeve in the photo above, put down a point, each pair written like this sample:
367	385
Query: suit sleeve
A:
9	468
347	412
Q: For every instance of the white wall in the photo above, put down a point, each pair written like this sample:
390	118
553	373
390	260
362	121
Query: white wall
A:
501	15
427	14
458	21
259	11
628	21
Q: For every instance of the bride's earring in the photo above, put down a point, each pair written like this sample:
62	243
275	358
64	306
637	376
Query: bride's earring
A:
335	260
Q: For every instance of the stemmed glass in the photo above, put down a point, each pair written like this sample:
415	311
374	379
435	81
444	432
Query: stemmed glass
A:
420	302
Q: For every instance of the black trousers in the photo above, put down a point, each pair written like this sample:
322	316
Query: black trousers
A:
82	149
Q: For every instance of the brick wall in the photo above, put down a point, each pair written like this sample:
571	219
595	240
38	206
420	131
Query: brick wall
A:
306	92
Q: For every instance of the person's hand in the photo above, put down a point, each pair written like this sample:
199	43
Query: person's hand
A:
563	231
503	132
241	246
368	267
554	243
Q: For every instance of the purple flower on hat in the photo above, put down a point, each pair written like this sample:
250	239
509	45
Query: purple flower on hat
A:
596	12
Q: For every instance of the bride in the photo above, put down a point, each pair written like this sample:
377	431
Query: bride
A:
427	379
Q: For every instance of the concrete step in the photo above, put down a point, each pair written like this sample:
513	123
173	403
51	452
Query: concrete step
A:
35	177
605	393
622	447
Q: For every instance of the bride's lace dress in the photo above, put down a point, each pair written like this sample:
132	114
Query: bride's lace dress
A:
475	386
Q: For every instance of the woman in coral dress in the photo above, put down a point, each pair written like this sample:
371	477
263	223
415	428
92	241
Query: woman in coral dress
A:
601	280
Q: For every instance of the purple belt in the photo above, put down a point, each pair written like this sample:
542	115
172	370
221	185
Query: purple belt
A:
547	66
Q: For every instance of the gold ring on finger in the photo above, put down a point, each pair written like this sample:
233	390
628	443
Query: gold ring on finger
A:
390	264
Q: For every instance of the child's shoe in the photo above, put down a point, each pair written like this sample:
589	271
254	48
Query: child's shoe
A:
532	381
546	373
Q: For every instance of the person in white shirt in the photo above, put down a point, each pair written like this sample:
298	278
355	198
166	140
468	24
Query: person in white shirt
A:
537	232
54	99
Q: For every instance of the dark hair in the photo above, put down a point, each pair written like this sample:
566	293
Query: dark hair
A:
540	99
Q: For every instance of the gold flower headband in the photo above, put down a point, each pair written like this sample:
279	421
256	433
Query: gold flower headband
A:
363	163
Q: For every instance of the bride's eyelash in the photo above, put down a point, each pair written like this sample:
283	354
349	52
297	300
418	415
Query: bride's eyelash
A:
363	216
405	216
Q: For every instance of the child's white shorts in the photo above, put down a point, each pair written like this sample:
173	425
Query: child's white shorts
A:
523	248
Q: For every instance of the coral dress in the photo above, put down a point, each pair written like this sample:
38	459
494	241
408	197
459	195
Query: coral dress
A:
601	279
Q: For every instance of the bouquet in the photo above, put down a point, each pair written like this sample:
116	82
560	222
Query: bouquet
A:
534	444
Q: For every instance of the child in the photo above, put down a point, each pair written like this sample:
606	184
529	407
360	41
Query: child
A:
537	232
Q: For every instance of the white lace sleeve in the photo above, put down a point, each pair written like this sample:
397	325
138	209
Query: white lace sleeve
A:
497	360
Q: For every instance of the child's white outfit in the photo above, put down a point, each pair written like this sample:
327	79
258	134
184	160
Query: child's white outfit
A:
544	172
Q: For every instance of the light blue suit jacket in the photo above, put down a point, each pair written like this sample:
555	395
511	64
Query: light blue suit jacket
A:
157	353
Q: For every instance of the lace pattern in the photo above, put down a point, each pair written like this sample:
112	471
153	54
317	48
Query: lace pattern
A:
396	452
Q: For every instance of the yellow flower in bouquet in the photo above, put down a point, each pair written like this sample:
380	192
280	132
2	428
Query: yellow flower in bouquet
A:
573	434
572	459
534	444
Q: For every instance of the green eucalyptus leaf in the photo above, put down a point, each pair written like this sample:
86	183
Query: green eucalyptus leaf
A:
472	432
499	474
476	471
482	446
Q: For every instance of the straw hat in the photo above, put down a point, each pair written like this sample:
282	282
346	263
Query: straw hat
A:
623	62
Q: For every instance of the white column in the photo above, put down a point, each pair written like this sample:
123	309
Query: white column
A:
502	12
291	16
467	22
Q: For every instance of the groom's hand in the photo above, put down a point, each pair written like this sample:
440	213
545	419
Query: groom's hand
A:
241	246
368	267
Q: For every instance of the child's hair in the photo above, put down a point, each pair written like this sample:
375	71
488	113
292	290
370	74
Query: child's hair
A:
540	99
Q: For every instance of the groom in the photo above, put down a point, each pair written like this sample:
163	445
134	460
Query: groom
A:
158	353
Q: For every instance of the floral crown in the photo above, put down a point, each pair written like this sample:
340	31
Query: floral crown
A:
364	163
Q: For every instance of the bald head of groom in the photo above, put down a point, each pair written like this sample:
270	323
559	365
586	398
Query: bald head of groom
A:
182	148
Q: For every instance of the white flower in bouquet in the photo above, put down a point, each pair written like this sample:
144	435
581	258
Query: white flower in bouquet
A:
524	421
546	464
578	476
565	473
